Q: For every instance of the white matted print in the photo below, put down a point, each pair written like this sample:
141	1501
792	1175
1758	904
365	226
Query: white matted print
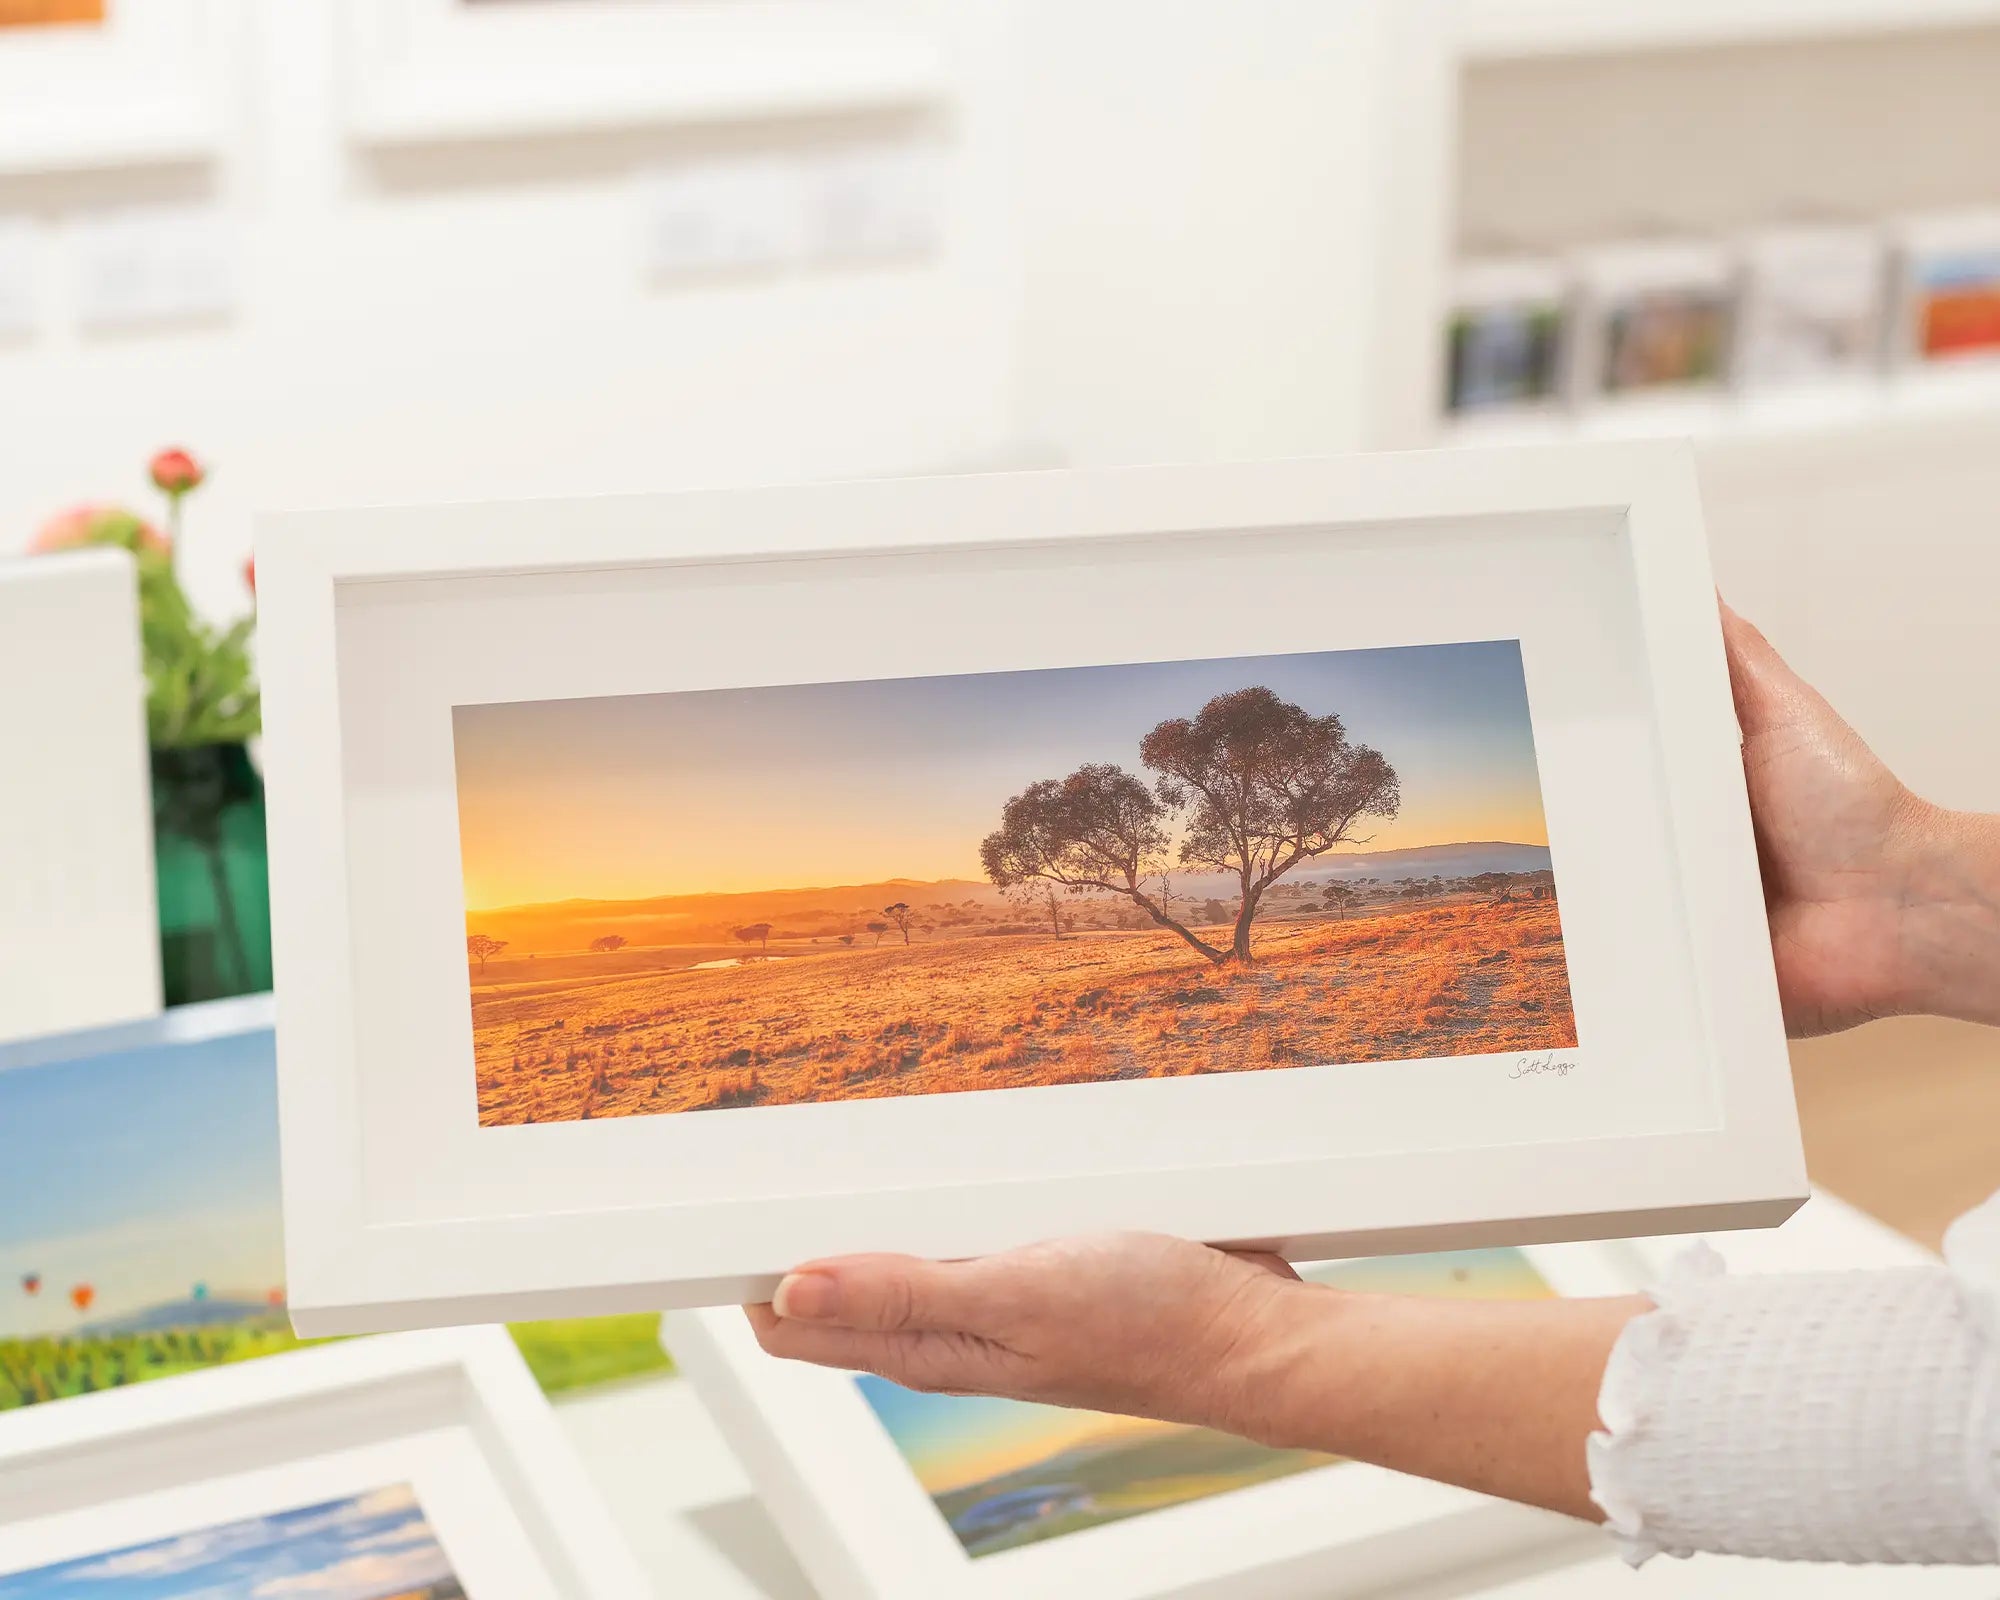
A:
111	84
424	1467
1527	640
893	1494
425	72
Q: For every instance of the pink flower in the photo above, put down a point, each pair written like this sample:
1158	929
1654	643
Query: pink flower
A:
176	472
250	574
82	525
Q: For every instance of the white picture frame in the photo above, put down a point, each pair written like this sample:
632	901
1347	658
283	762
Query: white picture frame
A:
450	1417
830	1473
400	1209
79	934
427	72
143	88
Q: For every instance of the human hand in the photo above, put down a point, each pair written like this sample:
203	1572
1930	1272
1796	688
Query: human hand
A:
1838	837
1132	1323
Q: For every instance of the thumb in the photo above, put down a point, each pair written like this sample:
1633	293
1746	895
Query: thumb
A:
1758	676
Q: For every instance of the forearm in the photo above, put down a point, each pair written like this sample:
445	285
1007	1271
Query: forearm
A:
1498	1396
1949	926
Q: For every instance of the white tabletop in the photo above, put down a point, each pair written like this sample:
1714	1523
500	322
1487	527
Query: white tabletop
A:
688	1509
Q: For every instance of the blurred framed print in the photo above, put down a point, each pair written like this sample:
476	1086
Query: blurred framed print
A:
1815	305
1506	342
430	72
1949	312
425	1466
1346	856
887	1494
1658	319
106	84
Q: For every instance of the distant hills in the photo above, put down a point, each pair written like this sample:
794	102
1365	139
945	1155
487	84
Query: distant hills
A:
571	925
174	1314
1445	860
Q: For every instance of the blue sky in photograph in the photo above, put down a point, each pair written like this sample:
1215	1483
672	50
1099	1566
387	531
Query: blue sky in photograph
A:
141	1174
360	1548
847	783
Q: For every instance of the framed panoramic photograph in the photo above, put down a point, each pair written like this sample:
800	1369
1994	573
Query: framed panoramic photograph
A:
1348	857
425	1467
887	1494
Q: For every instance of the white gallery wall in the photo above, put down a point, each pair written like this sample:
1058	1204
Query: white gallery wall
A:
1162	231
478	322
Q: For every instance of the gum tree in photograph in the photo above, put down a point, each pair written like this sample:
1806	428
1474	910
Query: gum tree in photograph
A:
1253	785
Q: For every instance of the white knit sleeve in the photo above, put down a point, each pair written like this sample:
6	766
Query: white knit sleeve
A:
1836	1416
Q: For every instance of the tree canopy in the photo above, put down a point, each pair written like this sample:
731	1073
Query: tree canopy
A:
1251	786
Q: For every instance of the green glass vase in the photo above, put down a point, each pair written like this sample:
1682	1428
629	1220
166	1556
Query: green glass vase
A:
213	872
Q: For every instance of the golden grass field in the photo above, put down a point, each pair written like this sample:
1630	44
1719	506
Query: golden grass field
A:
820	1022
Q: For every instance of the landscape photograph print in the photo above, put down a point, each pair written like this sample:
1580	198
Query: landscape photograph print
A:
374	1546
772	896
1007	1473
142	1233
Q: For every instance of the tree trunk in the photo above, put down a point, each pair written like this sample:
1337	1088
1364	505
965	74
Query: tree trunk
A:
1239	945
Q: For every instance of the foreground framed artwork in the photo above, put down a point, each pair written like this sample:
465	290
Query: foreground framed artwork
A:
1347	857
425	1465
892	1495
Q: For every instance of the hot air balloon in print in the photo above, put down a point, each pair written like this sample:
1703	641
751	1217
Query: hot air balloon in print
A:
200	1291
31	1283
275	1297
81	1296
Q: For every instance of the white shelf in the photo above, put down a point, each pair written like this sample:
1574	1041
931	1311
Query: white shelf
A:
1845	409
1504	29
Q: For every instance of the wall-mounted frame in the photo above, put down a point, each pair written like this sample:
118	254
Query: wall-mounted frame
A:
443	71
584	1126
887	1495
424	1464
140	87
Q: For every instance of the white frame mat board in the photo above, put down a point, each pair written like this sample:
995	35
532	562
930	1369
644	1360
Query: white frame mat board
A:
79	934
410	1198
442	71
448	1419
830	1470
142	88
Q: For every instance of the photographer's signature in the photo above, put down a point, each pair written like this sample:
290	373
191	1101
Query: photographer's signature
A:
1542	1066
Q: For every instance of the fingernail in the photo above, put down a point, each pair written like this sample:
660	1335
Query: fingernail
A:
807	1297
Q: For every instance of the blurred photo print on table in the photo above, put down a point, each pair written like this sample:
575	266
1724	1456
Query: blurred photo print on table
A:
1006	1473
1815	305
141	1234
889	1494
424	1466
1506	342
1658	318
776	896
373	1546
1950	289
